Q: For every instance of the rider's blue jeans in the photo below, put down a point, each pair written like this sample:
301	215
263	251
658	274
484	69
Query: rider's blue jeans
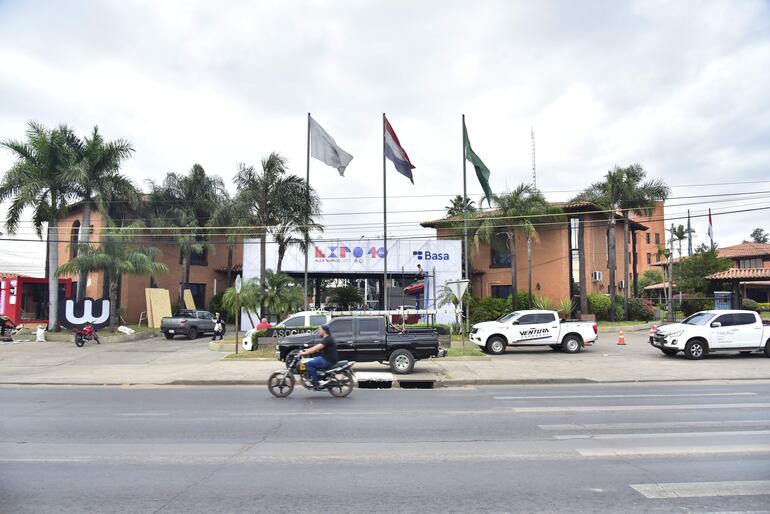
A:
314	364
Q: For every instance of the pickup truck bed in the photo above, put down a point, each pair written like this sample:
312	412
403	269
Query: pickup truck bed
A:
368	339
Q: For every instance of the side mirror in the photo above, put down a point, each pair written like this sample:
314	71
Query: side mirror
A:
716	324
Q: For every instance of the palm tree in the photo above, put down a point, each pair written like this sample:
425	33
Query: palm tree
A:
457	205
680	234
279	294
270	195
623	191
179	207
230	214
100	182
345	297
516	211
296	220
41	179
115	256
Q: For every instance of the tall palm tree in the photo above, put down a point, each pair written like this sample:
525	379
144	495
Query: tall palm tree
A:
623	191
115	256
271	194
457	205
180	206
100	182
517	211
680	234
278	293
230	214
41	179
296	221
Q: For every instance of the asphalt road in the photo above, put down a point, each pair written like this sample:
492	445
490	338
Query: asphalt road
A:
671	447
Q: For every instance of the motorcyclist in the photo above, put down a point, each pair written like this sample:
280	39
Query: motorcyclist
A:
327	350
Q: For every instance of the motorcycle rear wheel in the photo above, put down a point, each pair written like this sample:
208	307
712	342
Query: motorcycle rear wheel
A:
280	384
79	341
344	386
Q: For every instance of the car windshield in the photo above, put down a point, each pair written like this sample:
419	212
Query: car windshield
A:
508	317
699	318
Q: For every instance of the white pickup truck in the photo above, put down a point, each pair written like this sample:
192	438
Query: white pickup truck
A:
533	328
711	331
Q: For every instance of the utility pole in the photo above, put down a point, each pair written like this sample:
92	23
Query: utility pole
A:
671	313
534	172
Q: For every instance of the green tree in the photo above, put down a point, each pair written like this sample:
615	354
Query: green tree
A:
517	211
41	179
680	234
227	220
270	194
115	256
179	207
345	297
758	235
279	294
295	220
622	192
456	206
650	277
690	274
99	182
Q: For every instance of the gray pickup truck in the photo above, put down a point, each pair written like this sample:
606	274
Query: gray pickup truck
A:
187	322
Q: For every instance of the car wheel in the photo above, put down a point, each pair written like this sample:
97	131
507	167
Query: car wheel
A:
571	344
193	333
496	345
401	362
767	348
168	336
555	347
669	352
695	349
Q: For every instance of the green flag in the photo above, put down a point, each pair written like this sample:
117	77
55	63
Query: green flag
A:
482	172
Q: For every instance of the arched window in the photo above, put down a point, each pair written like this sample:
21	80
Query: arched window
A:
74	237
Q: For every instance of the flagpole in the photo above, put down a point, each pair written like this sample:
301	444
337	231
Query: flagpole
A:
307	198
465	222
689	235
384	224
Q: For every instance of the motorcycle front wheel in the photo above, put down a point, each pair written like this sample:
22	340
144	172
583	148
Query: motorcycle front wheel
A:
280	384
344	385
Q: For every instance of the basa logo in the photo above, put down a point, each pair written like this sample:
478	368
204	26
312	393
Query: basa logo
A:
430	256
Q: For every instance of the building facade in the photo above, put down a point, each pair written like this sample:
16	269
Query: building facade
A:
208	271
556	266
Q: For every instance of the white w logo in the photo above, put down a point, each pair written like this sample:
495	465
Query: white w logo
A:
88	304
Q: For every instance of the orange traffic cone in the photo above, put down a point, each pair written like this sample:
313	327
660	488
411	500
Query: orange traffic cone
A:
621	338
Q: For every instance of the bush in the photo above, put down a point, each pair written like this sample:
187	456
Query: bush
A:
488	309
522	300
764	306
599	305
216	305
543	303
640	309
750	305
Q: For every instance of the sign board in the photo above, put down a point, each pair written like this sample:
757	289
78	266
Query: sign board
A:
458	287
74	314
238	284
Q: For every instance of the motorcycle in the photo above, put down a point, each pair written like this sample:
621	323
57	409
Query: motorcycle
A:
88	333
339	379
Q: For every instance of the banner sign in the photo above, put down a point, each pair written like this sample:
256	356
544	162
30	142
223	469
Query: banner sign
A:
74	314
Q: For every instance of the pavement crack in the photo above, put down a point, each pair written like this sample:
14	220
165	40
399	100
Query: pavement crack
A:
229	460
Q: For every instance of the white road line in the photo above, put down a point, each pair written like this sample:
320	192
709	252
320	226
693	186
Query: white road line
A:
668	451
661	435
621	408
143	414
701	489
656	425
599	396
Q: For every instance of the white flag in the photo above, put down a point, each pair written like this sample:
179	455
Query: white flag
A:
325	149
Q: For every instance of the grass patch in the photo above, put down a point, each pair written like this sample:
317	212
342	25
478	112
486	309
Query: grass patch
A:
620	323
465	352
262	353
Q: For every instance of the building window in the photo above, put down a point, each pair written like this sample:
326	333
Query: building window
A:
657	257
657	238
647	237
649	258
574	255
197	259
74	238
750	263
199	294
501	291
501	255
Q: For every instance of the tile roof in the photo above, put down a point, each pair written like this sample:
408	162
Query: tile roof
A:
237	268
745	250
741	274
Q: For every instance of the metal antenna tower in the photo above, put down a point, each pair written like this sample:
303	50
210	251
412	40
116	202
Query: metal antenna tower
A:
534	172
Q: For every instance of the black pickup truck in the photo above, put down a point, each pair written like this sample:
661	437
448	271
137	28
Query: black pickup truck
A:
370	339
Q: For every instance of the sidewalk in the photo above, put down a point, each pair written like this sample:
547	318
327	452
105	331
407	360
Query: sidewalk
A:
157	361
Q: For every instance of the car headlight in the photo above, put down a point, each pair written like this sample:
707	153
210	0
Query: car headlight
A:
675	334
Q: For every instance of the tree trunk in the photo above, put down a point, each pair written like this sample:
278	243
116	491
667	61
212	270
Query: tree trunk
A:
625	265
611	265
113	300
281	253
185	278
582	266
262	267
229	266
83	237
514	284
53	279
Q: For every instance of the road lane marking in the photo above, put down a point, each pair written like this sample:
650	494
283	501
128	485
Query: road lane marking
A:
600	396
656	425
668	451
622	408
143	414
663	435
702	489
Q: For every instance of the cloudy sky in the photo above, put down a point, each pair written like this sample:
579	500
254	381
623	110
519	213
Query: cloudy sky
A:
680	87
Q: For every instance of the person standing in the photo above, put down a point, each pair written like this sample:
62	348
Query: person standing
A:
219	328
